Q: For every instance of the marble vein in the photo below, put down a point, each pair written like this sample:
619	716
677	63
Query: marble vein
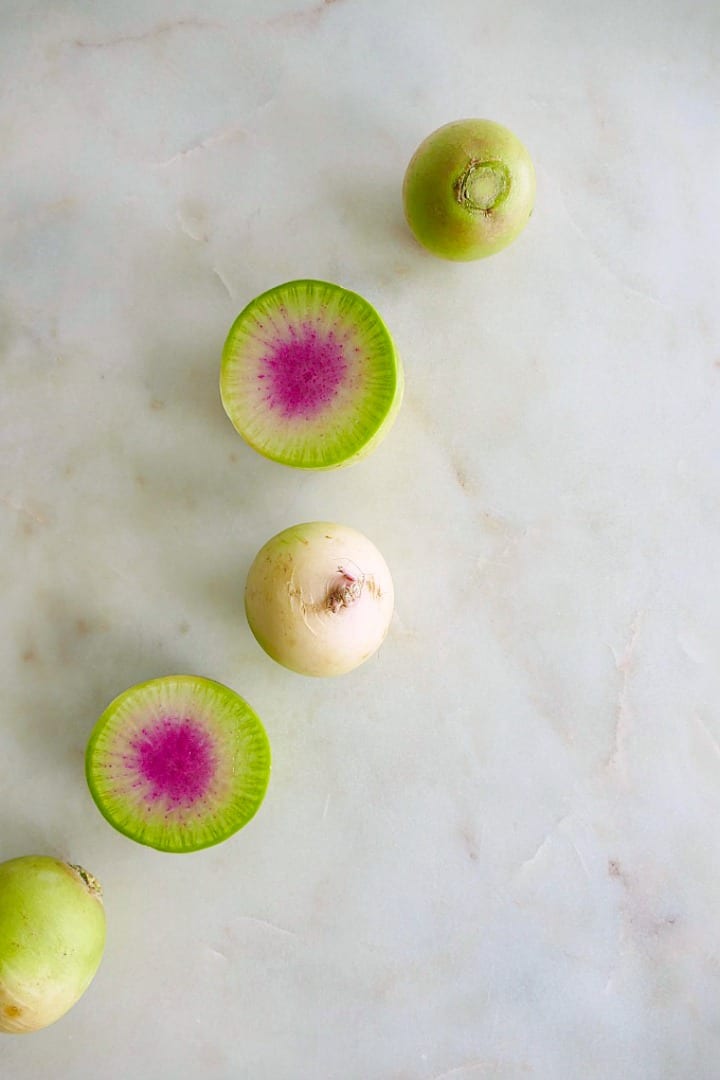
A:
302	15
602	261
623	711
224	283
703	727
215	139
266	925
470	1067
148	35
39	519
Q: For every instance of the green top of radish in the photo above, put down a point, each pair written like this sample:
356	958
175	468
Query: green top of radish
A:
469	189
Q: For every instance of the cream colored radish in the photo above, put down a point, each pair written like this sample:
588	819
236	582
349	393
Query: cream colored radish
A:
52	936
319	598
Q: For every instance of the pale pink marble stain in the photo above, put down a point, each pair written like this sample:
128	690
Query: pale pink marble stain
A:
175	759
304	373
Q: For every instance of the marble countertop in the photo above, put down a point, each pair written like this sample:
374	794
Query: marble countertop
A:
492	850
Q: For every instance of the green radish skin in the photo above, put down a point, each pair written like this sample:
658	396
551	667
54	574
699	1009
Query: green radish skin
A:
469	190
52	937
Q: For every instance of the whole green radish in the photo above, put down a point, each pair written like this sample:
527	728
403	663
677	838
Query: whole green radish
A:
469	189
52	936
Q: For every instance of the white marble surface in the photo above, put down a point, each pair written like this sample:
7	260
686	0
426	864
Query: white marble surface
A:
492	851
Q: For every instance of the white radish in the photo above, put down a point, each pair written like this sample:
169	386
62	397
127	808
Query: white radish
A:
319	598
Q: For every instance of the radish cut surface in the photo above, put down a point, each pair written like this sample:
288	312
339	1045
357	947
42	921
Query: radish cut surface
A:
310	376
178	763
